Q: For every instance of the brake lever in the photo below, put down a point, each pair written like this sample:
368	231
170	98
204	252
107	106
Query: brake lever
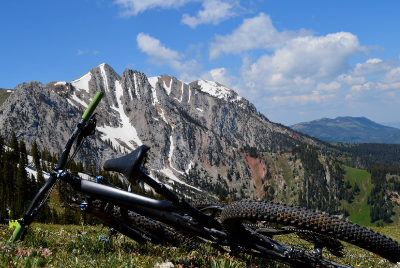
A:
88	130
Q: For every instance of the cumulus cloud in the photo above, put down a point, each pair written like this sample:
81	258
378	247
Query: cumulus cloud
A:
214	11
134	7
302	61
392	76
372	86
257	32
305	99
333	86
161	55
373	66
390	86
349	80
153	47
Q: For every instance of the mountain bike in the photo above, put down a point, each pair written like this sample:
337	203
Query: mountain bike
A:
291	235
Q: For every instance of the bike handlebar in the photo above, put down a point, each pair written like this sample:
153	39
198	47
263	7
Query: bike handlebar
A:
28	217
92	106
17	232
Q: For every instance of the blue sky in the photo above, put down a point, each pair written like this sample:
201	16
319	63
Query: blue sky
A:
295	60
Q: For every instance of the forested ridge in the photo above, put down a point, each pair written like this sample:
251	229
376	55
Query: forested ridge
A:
17	187
323	185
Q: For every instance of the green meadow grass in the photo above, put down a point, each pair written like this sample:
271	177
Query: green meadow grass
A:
359	209
80	246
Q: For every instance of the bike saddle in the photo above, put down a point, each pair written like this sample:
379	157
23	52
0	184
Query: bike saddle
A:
129	165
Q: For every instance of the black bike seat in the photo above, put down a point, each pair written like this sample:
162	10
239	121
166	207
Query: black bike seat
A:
129	165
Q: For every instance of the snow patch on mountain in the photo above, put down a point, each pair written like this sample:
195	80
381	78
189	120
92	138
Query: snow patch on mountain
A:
32	171
189	167
168	89
104	75
215	90
153	82
78	100
83	82
172	176
163	116
130	93
127	132
171	151
61	83
136	86
181	93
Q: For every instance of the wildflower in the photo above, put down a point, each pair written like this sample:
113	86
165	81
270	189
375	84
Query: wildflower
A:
166	264
4	232
18	251
46	253
28	252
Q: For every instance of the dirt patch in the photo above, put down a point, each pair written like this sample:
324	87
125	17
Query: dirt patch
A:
258	169
394	197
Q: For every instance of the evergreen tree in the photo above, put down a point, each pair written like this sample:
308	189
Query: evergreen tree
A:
40	181
22	190
15	149
222	198
32	187
8	181
3	194
22	150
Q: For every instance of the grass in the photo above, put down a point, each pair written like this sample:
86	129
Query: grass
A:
359	209
81	246
3	95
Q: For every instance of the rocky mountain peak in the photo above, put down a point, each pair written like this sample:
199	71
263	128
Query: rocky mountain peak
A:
196	128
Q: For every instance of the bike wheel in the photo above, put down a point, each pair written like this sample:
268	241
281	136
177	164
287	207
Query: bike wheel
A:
167	235
310	230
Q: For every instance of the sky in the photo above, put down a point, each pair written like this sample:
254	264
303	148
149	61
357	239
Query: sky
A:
296	61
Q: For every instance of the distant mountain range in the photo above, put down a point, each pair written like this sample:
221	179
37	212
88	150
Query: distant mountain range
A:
349	130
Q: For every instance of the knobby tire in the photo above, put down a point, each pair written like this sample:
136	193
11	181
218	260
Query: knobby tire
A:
235	216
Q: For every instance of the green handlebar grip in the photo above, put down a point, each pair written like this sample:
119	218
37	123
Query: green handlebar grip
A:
92	106
17	232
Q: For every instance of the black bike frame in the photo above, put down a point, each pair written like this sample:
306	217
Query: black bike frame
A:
166	212
197	223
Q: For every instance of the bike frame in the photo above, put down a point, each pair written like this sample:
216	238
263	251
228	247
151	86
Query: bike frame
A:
196	223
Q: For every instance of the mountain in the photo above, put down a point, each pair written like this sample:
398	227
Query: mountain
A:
349	130
199	132
392	124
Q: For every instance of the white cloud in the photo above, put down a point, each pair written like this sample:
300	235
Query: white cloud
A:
161	55
392	76
303	61
365	87
333	86
153	47
257	32
134	7
222	76
294	100
214	11
81	52
349	80
390	86
373	66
